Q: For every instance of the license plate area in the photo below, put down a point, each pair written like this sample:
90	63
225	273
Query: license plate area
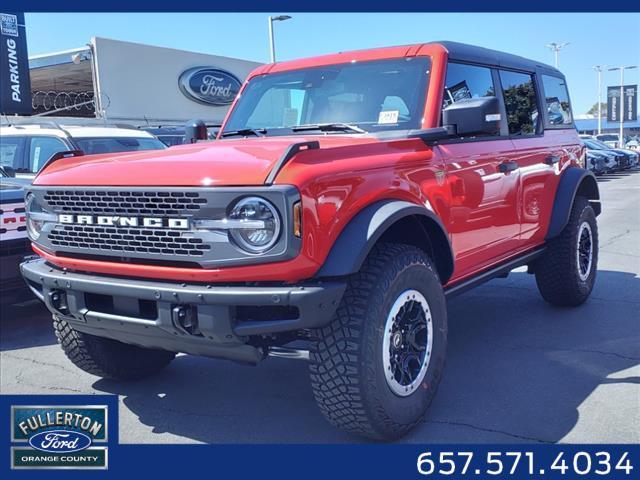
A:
121	305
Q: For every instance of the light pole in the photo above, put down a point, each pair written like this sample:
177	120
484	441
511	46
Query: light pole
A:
272	46
598	69
622	69
556	47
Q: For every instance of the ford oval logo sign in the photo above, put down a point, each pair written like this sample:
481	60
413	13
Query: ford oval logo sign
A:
209	86
60	441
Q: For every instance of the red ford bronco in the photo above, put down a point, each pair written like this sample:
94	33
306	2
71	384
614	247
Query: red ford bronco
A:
346	198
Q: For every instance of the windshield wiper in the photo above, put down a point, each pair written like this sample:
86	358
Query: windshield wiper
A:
245	132
329	127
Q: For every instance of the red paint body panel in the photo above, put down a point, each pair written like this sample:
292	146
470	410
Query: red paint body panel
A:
489	215
232	162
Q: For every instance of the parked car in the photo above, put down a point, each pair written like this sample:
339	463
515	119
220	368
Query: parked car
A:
600	162
26	147
175	135
611	139
170	136
376	185
622	159
633	144
14	244
630	155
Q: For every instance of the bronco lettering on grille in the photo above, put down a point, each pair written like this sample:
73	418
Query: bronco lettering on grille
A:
120	221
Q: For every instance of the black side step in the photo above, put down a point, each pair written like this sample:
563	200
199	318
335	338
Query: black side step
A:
289	153
498	271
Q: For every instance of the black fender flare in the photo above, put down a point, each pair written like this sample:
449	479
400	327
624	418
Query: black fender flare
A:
573	181
363	231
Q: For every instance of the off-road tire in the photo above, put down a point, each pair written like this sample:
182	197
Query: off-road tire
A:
557	271
108	358
346	366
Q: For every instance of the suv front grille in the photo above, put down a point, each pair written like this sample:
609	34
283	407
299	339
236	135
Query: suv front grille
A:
101	202
127	240
173	238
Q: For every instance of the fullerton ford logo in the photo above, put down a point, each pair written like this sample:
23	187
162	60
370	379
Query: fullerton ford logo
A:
120	221
60	441
209	86
52	436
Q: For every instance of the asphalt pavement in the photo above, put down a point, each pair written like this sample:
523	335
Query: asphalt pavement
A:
518	370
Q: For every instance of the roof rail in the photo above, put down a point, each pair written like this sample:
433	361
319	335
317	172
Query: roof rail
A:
43	123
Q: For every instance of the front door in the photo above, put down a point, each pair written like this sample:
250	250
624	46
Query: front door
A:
483	179
483	216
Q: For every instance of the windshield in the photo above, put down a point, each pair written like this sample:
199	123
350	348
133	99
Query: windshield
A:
371	96
94	145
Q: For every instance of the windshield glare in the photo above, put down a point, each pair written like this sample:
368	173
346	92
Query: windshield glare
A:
374	96
95	145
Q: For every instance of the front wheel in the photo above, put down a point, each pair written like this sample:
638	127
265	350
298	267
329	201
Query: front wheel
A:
566	272
377	366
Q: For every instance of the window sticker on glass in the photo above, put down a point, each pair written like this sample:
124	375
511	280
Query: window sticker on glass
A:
289	117
390	116
36	155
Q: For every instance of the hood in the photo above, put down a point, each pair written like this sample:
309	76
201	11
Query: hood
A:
215	163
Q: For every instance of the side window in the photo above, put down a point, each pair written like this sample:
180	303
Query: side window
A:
467	81
41	150
557	101
11	152
520	102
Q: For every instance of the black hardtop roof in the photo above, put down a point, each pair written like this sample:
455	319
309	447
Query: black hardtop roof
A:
470	53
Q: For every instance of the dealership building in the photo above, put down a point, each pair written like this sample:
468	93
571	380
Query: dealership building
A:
589	126
132	83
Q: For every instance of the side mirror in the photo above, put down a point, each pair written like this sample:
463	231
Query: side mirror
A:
473	116
195	130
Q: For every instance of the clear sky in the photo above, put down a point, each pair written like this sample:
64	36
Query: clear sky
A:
594	38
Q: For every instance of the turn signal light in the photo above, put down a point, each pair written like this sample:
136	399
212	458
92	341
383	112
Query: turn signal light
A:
297	219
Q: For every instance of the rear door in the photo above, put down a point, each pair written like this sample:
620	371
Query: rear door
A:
483	217
541	128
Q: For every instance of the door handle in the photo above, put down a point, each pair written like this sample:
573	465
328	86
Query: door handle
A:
552	159
508	166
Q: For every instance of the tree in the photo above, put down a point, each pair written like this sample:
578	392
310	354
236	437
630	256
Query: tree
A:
594	110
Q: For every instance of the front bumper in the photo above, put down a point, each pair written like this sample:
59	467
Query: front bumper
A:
147	313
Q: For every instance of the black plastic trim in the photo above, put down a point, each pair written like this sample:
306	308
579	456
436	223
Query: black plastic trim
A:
316	303
363	231
64	154
498	271
288	154
570	182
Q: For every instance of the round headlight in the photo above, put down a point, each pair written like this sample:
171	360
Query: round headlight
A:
262	224
34	226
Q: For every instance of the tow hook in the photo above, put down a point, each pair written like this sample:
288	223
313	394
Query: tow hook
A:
185	317
58	300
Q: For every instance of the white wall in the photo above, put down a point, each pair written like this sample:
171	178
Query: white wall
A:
138	81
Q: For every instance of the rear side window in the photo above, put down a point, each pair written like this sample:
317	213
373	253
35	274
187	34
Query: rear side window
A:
42	149
557	101
520	102
467	81
96	145
11	149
